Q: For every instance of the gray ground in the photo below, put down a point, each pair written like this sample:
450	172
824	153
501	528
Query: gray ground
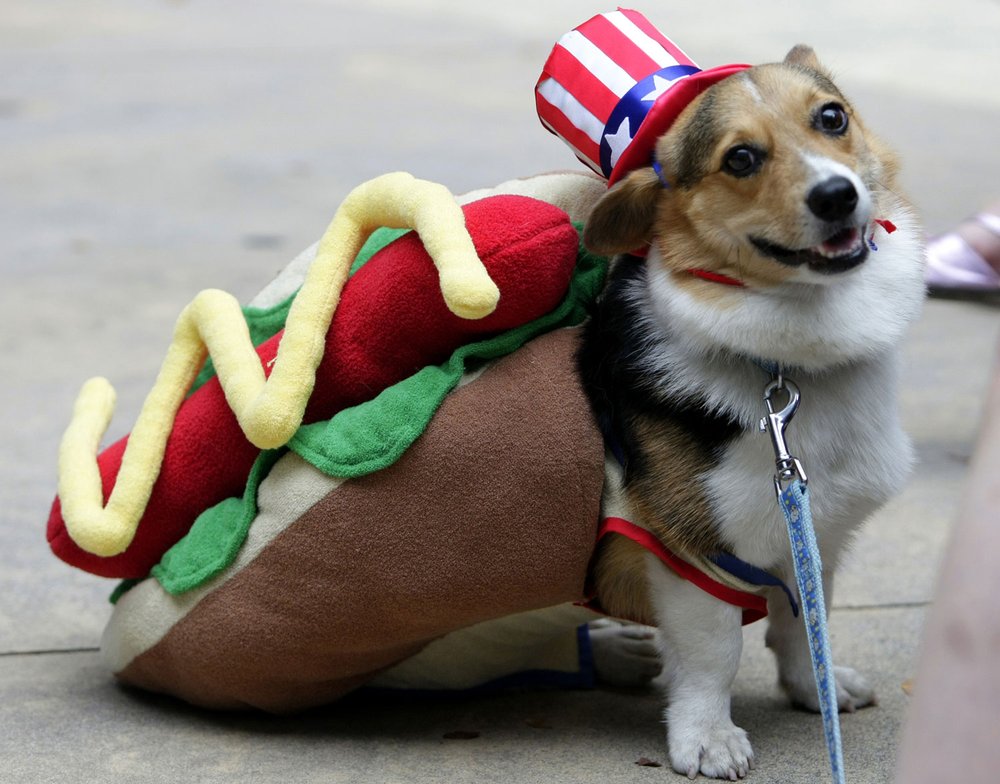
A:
152	149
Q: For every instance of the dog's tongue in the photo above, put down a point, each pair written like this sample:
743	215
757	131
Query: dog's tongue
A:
841	243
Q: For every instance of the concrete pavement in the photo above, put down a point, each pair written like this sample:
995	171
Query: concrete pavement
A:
150	150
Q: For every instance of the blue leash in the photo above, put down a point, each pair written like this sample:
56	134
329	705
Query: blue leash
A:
793	497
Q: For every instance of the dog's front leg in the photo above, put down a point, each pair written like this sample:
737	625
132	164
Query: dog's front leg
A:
701	639
786	636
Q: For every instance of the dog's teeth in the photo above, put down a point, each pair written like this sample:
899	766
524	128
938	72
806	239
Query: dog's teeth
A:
843	243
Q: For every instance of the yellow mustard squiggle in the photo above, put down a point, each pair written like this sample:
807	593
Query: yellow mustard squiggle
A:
269	410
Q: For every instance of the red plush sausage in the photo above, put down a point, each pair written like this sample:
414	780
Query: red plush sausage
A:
391	321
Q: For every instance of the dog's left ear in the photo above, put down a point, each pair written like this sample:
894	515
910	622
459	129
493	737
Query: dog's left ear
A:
622	219
800	54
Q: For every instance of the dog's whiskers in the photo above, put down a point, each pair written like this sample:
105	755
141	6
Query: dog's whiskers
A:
740	273
886	188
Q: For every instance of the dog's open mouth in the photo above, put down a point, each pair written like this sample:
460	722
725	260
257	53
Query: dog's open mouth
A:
841	251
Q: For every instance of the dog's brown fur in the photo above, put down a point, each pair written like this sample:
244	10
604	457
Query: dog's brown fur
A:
665	501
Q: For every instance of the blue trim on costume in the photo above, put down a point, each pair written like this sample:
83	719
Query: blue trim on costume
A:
588	672
754	575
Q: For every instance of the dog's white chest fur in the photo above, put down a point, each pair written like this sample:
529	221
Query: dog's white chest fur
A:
847	435
840	344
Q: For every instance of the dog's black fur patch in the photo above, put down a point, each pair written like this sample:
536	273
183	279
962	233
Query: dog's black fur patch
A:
620	388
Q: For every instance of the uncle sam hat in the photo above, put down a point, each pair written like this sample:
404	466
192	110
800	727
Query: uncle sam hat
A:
612	86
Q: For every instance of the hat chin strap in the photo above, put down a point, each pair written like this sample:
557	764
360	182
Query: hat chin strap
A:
659	174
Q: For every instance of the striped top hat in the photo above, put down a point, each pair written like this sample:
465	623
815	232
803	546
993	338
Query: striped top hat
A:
613	86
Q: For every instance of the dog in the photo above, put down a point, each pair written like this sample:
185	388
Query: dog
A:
759	217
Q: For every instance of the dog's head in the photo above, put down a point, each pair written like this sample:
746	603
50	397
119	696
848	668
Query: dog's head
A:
770	177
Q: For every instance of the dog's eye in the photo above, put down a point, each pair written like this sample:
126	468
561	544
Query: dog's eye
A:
742	161
832	119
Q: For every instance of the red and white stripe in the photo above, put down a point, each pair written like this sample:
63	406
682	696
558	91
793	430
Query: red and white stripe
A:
589	71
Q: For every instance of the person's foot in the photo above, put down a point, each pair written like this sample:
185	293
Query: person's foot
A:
625	654
965	262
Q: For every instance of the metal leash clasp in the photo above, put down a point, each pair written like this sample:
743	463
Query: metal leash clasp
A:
787	466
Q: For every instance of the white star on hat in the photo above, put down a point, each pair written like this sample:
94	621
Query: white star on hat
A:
660	86
619	140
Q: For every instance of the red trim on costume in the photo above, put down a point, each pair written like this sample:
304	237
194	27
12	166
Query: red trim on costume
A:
754	607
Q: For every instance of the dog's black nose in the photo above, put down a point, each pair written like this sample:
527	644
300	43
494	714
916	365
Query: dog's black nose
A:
833	199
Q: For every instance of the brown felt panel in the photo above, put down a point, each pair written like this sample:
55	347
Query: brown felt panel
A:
492	511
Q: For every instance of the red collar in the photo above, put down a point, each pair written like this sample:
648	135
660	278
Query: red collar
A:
716	277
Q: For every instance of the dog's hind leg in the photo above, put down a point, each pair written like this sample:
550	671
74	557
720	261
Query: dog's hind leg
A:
702	640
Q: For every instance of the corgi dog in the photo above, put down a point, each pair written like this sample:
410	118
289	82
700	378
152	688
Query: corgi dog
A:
762	216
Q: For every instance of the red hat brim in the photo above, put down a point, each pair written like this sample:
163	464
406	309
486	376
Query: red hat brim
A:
663	114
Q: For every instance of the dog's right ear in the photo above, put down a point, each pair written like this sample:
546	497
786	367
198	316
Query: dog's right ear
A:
800	54
622	219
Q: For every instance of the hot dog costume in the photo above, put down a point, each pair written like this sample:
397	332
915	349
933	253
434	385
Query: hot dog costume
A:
387	472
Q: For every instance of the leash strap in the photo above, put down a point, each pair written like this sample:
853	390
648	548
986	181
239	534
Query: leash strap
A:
790	485
794	502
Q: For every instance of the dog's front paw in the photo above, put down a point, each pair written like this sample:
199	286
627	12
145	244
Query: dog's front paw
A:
722	751
853	691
